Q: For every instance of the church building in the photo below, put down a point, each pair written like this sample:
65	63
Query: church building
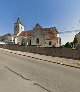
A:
38	36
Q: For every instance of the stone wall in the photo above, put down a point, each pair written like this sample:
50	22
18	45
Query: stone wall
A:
55	52
38	34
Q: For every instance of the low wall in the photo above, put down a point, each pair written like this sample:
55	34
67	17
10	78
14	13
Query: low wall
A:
55	52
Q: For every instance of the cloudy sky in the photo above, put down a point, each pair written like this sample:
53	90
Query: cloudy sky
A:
64	14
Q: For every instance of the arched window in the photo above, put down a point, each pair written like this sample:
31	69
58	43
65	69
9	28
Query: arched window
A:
50	43
30	41
37	40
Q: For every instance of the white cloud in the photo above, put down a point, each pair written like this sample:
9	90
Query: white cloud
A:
67	37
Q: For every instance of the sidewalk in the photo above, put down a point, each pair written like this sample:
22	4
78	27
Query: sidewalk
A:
57	60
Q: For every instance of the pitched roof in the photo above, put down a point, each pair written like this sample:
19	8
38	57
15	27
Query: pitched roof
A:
25	33
51	30
19	21
37	27
50	33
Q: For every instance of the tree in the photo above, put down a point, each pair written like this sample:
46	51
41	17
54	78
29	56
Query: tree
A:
69	45
72	44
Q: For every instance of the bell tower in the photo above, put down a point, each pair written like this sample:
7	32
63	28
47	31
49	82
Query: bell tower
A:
18	26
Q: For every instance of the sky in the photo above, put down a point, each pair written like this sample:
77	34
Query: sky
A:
63	14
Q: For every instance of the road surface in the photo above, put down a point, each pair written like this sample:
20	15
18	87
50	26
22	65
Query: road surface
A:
24	74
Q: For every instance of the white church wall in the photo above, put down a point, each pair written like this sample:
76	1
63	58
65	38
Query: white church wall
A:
21	28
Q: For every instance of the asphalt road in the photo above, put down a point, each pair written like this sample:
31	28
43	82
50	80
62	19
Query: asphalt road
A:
25	74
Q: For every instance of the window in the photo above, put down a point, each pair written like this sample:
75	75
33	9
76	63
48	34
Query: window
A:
50	43
21	27
37	40
16	26
30	42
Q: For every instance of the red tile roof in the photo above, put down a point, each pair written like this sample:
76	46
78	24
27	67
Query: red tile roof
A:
50	34
25	33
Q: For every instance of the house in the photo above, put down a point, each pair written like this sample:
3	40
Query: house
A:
77	39
7	38
38	36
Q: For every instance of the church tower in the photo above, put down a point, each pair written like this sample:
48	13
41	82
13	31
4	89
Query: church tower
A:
18	26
